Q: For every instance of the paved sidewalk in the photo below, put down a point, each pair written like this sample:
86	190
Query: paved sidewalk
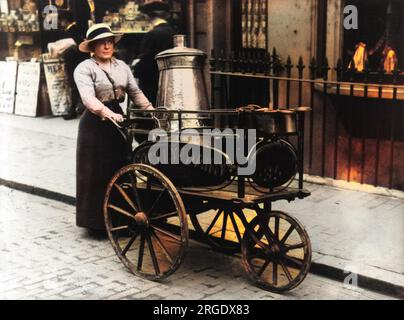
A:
350	230
39	152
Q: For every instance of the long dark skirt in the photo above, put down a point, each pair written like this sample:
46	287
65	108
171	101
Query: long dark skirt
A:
100	153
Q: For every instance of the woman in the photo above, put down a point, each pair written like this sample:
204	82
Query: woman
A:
102	82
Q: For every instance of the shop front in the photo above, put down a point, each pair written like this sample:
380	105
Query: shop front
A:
31	37
352	79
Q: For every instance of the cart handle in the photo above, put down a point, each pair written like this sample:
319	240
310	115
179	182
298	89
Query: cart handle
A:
113	121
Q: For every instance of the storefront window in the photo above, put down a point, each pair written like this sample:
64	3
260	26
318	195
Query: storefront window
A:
254	21
124	15
378	40
126	18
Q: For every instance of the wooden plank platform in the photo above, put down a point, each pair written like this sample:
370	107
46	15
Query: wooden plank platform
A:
252	196
229	194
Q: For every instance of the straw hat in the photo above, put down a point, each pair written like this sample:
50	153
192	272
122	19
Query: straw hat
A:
96	32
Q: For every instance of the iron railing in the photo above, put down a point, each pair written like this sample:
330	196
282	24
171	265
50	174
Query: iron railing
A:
355	130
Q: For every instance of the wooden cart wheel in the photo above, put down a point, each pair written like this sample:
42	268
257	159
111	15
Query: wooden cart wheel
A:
146	221
222	228
276	251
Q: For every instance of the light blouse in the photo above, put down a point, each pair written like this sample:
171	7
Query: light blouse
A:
96	89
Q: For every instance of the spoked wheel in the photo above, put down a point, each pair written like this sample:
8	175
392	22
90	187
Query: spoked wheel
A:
276	251
146	221
222	229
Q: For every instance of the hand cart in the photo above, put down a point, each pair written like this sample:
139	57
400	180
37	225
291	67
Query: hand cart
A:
146	206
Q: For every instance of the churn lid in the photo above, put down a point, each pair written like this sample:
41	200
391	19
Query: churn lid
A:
180	49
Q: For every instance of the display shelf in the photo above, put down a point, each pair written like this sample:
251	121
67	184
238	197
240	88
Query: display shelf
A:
129	32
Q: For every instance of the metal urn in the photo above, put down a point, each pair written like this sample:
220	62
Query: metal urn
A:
182	84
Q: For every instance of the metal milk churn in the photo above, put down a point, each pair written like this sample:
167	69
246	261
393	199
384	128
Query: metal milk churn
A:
182	84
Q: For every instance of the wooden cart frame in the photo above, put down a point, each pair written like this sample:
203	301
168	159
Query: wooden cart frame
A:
147	224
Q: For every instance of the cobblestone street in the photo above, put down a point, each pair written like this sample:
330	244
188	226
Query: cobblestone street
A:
44	256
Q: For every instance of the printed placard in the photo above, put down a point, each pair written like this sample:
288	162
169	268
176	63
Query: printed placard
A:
27	88
58	88
8	74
